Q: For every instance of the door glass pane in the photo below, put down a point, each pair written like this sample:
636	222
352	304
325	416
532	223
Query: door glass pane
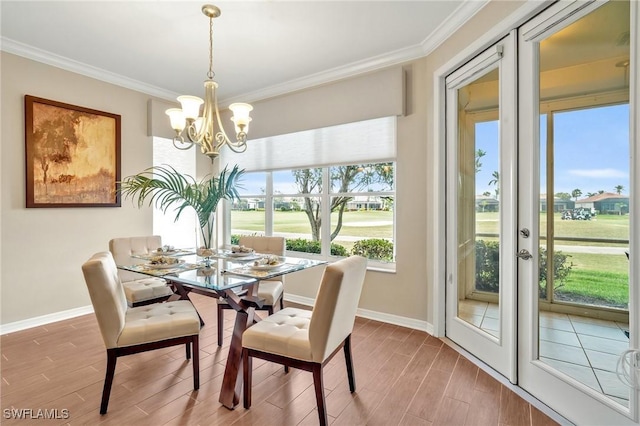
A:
585	187
479	203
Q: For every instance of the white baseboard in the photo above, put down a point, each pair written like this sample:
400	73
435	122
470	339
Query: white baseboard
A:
307	301
373	315
12	327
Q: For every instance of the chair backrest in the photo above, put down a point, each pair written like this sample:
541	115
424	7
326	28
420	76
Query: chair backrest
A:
107	296
266	245
336	303
122	249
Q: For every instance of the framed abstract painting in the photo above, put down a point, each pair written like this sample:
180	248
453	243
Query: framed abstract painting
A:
72	155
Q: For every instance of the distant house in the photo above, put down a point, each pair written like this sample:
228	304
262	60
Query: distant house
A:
559	204
606	203
361	202
486	204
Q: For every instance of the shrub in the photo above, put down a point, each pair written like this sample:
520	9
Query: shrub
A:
488	267
374	248
561	270
310	246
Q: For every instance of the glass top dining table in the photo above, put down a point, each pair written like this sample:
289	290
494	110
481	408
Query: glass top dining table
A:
232	276
223	270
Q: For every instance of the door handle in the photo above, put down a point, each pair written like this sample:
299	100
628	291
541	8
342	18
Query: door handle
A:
524	254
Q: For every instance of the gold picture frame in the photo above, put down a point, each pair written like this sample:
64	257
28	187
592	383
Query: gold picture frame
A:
72	155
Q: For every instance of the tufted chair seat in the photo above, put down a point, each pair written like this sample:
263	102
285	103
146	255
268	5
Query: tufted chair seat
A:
284	333
126	330
271	291
308	340
139	289
159	321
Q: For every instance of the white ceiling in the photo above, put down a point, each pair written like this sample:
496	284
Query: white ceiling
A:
261	48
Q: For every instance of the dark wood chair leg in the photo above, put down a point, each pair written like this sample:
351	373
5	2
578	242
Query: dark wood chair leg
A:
187	347
282	302
286	369
196	362
349	359
247	371
319	387
220	324
108	379
270	309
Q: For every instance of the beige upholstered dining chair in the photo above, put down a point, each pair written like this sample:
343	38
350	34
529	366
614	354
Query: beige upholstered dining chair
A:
305	339
127	331
139	289
271	291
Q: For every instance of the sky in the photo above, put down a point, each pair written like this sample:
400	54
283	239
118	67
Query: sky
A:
591	150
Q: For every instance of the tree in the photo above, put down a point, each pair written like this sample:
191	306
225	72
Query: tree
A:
479	154
344	179
55	138
576	193
619	189
591	194
563	196
495	181
600	191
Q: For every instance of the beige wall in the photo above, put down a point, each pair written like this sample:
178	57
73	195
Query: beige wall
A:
42	249
403	293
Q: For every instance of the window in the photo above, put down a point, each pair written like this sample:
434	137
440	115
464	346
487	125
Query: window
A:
358	206
329	191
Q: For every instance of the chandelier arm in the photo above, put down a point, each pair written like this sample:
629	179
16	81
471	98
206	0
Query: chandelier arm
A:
178	142
226	140
193	135
238	148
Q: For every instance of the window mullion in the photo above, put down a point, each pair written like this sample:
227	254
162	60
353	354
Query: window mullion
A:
268	205
325	200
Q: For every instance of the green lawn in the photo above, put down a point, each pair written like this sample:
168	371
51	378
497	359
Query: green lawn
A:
600	279
364	224
602	226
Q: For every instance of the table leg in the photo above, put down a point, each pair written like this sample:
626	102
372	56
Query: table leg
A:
232	379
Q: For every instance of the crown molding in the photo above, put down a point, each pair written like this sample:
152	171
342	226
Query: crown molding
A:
457	19
461	15
39	55
334	74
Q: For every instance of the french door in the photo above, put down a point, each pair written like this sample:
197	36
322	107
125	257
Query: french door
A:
481	135
577	294
542	171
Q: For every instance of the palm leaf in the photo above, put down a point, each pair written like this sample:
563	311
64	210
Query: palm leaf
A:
165	187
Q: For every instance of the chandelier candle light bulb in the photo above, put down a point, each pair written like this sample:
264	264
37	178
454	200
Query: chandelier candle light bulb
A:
207	130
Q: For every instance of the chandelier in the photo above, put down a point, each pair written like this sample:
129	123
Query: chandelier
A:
207	130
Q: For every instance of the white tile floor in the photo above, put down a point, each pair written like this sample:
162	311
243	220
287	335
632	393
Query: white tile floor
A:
586	349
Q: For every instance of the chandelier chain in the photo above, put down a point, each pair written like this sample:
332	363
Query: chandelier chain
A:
211	74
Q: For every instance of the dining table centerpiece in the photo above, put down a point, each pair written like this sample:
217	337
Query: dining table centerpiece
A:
167	188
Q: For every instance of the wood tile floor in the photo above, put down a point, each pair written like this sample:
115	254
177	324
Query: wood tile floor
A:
403	377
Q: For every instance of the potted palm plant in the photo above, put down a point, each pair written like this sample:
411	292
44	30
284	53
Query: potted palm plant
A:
168	188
